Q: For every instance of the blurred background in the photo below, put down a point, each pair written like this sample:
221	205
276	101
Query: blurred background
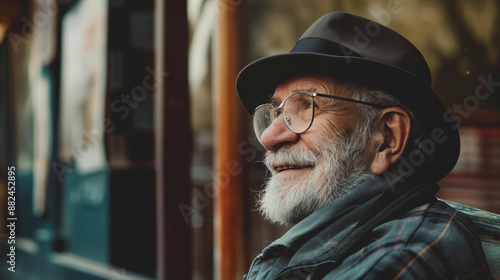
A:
133	157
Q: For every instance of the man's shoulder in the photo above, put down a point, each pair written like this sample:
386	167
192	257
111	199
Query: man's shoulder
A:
431	241
434	239
433	223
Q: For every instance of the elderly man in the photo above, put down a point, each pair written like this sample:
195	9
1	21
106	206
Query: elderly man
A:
356	139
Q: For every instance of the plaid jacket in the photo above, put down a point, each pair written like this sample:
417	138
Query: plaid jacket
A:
431	241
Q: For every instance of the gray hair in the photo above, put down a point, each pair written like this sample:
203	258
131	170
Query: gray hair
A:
370	113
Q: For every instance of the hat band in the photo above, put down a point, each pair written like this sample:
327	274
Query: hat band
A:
320	45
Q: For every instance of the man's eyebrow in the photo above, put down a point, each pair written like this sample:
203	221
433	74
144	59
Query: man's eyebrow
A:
310	90
275	101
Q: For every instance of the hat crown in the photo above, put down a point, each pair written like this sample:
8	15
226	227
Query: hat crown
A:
348	35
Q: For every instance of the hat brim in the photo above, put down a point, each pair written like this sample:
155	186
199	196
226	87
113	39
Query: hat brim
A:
258	80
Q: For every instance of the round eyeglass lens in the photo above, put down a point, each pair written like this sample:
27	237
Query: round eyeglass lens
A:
263	116
298	111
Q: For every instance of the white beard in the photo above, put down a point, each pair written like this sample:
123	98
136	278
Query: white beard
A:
338	165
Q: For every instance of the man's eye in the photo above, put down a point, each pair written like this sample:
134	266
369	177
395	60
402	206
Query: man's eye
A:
308	104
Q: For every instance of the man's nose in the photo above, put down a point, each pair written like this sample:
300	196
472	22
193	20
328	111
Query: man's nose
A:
277	135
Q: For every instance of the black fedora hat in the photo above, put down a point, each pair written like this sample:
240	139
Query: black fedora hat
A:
357	49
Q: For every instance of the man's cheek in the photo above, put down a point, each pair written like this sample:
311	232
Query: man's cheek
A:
325	130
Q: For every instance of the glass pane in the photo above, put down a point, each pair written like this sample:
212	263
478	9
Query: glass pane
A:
262	119
298	111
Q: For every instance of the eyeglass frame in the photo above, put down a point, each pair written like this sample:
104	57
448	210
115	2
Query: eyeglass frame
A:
312	95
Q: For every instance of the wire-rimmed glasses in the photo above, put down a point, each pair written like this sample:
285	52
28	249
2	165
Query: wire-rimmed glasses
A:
297	110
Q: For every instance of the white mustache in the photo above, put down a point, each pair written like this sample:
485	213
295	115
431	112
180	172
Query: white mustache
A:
290	155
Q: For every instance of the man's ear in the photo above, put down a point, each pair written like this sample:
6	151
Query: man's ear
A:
392	131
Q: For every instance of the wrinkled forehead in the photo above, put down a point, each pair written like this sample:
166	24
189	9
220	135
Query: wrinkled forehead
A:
310	83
